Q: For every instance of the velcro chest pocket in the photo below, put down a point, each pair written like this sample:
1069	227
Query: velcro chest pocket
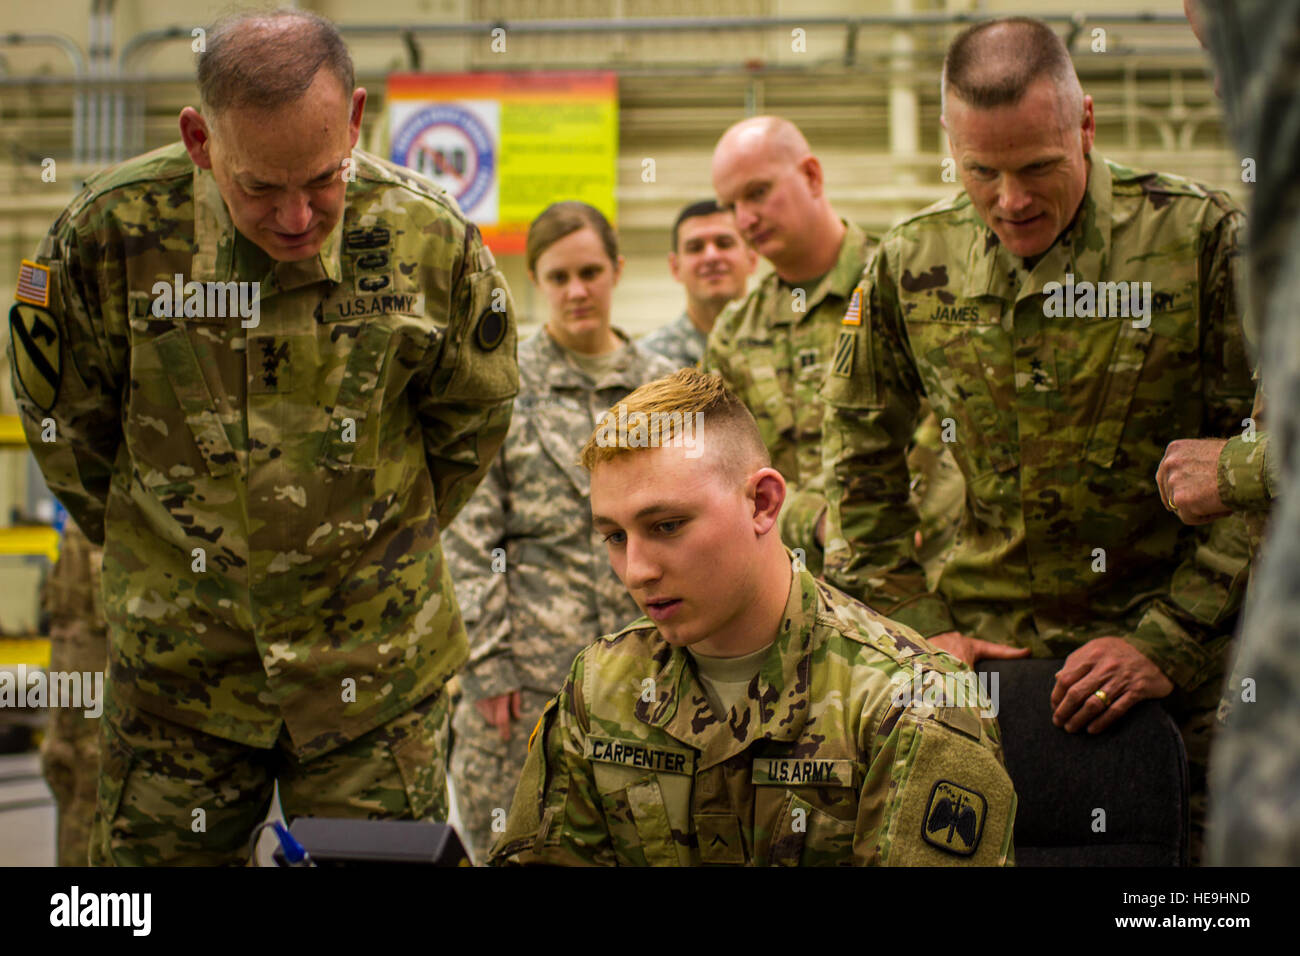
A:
197	410
814	820
755	370
648	811
348	441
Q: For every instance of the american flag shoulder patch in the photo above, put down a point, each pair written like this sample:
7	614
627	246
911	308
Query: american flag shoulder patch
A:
854	315
33	283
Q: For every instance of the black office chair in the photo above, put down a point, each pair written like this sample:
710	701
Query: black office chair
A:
1136	772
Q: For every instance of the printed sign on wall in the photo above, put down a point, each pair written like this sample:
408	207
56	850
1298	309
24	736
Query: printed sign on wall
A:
506	145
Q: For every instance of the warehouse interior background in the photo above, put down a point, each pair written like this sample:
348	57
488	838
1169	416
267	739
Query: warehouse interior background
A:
86	83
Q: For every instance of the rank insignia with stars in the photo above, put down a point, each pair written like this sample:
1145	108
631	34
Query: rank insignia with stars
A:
954	819
37	356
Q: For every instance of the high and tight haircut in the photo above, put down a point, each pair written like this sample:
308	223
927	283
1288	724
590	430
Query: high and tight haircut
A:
243	66
673	402
705	207
986	70
560	219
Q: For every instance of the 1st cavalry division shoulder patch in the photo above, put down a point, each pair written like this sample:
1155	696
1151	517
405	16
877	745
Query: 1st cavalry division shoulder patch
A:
37	356
954	819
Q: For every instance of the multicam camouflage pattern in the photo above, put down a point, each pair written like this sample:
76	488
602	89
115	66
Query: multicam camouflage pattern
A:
1256	765
1060	426
822	764
270	498
1248	477
548	590
158	775
680	342
773	349
78	643
774	356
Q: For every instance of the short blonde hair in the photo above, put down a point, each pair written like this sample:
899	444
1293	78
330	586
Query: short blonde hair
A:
672	403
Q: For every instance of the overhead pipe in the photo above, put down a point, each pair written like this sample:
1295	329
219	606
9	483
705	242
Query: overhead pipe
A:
79	70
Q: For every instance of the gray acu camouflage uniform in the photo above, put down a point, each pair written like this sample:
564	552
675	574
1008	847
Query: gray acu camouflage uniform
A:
269	497
1255	767
679	341
549	591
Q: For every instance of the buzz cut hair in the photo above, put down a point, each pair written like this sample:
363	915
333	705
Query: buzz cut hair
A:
265	60
686	396
705	207
994	63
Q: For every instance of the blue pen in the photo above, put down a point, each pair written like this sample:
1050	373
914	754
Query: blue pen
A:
295	854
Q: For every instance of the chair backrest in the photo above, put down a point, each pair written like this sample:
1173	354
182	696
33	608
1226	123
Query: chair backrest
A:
1135	773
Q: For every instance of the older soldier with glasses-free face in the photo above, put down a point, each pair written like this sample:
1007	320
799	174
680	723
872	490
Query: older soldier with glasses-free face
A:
1060	414
270	488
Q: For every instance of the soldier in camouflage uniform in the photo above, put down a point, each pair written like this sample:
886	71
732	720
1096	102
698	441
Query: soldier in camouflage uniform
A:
78	643
713	264
530	573
756	716
1061	417
773	348
1256	761
269	473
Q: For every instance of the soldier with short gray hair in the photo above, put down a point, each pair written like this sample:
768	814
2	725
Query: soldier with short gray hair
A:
1071	316
265	369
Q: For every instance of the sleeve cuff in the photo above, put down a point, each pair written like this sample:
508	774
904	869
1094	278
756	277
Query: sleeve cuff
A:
1245	478
1164	642
490	677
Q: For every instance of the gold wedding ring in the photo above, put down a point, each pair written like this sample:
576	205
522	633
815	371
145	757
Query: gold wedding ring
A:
1101	696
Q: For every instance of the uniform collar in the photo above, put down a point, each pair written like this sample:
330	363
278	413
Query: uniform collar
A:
992	270
781	709
562	373
844	275
221	252
688	327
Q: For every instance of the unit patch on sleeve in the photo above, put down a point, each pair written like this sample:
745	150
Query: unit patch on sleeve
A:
845	344
37	357
491	330
954	819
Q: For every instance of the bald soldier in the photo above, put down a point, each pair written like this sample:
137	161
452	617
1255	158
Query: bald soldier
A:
273	367
1072	317
755	716
773	348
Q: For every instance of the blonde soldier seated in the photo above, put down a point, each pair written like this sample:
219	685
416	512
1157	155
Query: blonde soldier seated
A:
756	716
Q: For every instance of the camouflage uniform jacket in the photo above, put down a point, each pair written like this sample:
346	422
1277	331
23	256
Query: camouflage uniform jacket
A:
833	760
1060	425
680	342
549	591
72	590
269	497
773	349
